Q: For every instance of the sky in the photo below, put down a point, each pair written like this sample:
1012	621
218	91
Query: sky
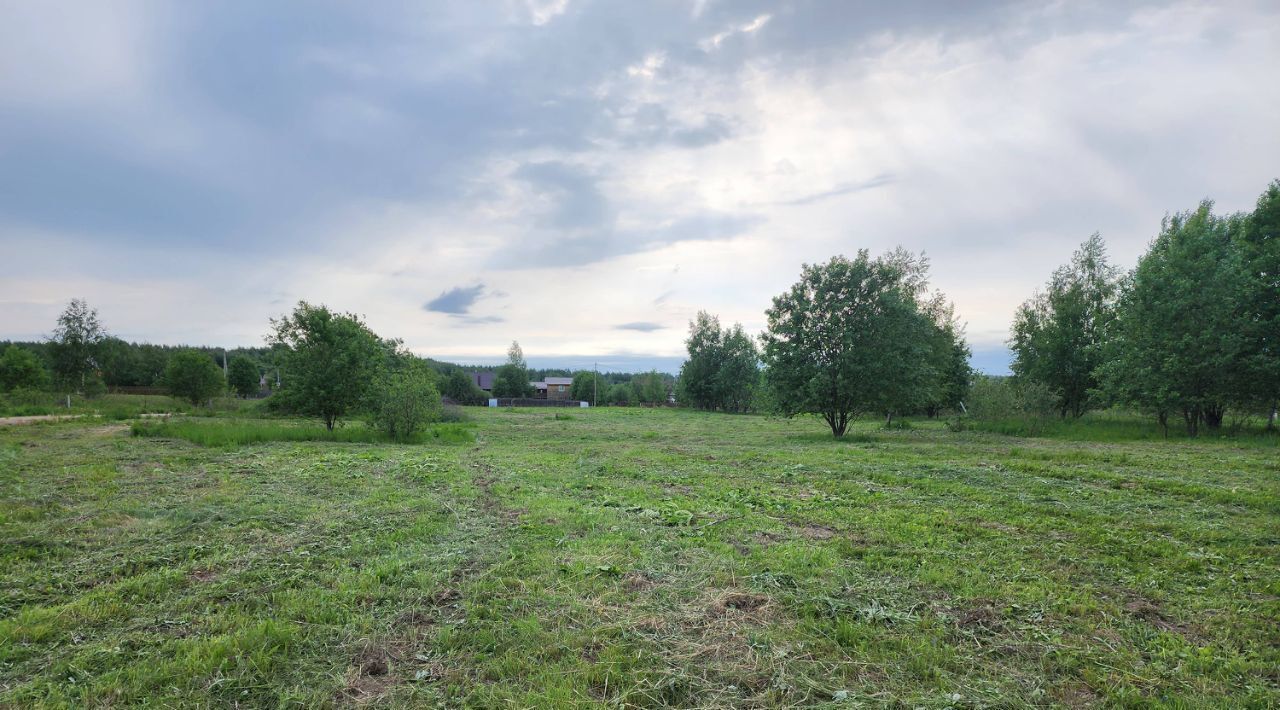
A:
583	177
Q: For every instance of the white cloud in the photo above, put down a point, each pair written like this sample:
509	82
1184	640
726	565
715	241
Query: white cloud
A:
584	167
714	41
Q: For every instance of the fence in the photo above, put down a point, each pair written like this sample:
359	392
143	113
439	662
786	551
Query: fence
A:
530	402
131	389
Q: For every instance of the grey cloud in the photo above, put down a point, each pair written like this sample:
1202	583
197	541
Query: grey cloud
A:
480	320
642	326
605	242
457	300
651	124
845	189
577	201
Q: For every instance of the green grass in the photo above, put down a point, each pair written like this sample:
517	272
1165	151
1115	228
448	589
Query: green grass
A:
116	407
239	432
643	558
1120	427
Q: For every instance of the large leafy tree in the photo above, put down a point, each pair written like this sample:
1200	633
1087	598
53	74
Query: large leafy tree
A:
21	369
1182	332
950	357
329	361
850	337
1058	333
74	346
194	376
1259	240
512	379
243	376
723	369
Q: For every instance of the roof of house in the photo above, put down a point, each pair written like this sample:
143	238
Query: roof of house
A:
559	380
539	385
483	380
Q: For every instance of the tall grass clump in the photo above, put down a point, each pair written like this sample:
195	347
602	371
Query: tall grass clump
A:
230	433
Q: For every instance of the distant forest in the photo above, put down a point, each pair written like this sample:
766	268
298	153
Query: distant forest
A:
125	364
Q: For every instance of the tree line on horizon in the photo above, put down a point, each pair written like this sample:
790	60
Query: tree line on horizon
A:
1191	332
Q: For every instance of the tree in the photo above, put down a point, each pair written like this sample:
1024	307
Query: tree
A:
74	346
1259	240
329	361
407	399
243	376
650	388
512	379
723	369
588	386
193	376
1182	331
21	369
849	337
459	387
1057	336
620	394
698	374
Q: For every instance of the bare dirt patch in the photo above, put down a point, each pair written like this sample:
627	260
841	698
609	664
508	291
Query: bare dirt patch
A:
815	532
637	582
738	601
368	679
980	614
203	576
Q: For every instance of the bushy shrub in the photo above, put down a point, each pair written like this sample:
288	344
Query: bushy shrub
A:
459	387
21	369
452	413
406	401
994	399
619	395
193	376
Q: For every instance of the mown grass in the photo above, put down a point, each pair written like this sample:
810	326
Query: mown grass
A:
239	432
638	558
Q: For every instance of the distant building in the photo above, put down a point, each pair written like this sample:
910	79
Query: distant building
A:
558	387
550	388
483	380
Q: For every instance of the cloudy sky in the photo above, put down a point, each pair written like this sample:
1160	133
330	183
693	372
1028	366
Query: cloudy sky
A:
585	176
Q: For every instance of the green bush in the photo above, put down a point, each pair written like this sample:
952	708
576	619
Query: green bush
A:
193	376
1019	404
459	387
406	401
21	369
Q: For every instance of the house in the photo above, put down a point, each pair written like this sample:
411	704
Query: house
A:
483	380
558	387
552	388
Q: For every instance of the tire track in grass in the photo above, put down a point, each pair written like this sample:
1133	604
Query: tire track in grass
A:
414	640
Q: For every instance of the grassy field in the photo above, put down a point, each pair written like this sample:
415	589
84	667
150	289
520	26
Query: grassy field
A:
637	558
116	406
